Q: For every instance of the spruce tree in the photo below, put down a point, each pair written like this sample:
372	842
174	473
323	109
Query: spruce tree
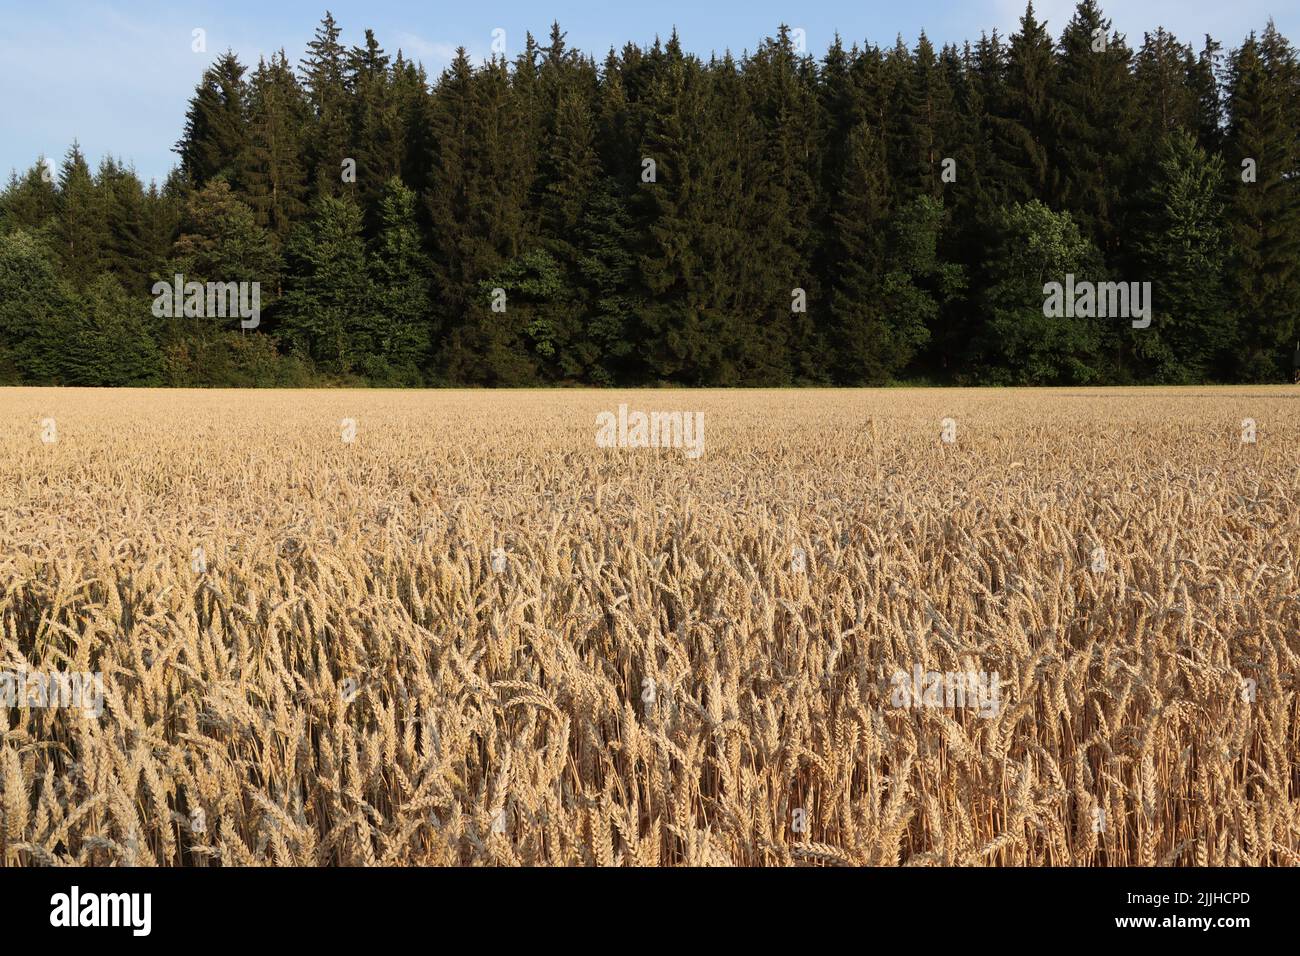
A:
328	309
1181	247
275	180
328	140
685	339
928	122
862	333
402	331
30	201
1161	74
1094	130
1024	121
216	141
376	123
36	311
1262	136
81	229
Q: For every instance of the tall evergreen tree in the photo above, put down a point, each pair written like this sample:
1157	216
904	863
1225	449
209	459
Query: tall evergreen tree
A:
402	329
324	77
1161	74
767	220
36	311
478	207
1264	137
1024	120
865	337
928	121
1094	130
1181	248
216	140
376	122
30	201
275	179
81	230
328	309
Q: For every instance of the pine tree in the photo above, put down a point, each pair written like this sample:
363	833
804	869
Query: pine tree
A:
328	310
112	340
1263	130
1181	246
778	344
398	269
778	181
81	230
1023	122
128	253
216	142
687	341
569	175
971	202
36	311
1161	73
608	350
276	182
478	205
377	129
449	195
1001	179
30	201
410	91
929	124
1094	130
327	139
1203	79
863	336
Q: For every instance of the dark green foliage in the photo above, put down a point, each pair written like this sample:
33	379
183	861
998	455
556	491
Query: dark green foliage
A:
327	142
1020	345
872	217
1264	273
1023	113
1182	247
35	306
864	334
220	241
216	139
398	271
81	225
275	175
328	311
111	340
1095	121
30	201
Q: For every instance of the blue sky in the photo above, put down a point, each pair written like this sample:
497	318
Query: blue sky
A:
116	75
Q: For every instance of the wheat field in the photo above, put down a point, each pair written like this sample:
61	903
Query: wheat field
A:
470	636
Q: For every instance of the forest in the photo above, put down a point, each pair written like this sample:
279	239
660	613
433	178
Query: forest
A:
870	215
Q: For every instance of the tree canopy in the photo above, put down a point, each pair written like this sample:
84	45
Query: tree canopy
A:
878	214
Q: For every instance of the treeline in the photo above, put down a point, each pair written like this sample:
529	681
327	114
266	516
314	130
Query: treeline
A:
878	215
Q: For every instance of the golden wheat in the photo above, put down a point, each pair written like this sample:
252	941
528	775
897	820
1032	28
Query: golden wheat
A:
471	636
